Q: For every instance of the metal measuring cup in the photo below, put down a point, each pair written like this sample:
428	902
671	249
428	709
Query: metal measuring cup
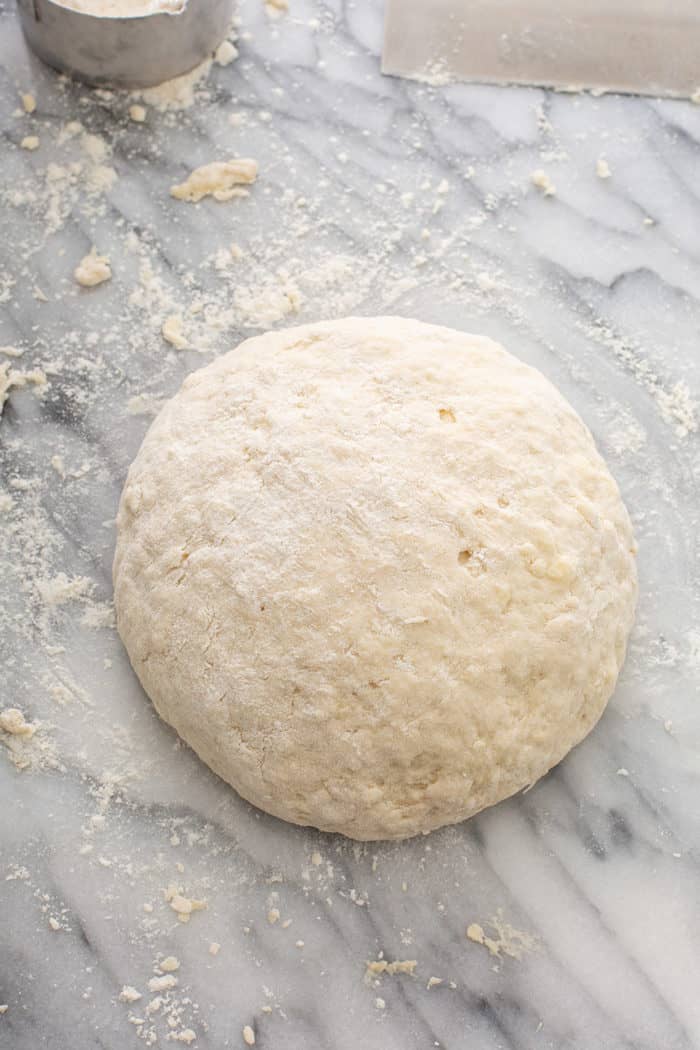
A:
125	51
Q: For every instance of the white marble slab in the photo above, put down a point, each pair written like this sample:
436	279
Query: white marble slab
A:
598	862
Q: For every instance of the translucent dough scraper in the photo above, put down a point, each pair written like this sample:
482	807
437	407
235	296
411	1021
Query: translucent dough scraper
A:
649	47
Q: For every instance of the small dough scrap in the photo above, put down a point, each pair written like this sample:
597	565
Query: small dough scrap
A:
221	179
129	994
380	966
28	102
92	270
225	53
12	721
184	906
137	113
542	181
30	142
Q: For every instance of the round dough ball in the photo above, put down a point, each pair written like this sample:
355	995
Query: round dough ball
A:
375	573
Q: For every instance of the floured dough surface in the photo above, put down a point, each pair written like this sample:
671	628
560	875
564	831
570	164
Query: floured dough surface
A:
375	573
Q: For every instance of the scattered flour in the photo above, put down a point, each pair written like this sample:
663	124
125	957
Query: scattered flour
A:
60	589
260	306
675	404
435	74
678	408
506	940
627	436
10	377
144	405
177	94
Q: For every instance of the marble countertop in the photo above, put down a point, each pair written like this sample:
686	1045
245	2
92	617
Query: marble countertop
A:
375	195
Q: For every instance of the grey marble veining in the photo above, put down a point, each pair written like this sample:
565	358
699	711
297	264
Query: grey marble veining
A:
375	195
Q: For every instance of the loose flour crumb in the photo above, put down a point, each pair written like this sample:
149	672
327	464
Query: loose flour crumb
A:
380	966
137	113
169	964
129	994
184	906
30	142
602	168
59	466
162	984
225	53
542	181
214	948
28	102
12	721
93	269
173	332
185	1035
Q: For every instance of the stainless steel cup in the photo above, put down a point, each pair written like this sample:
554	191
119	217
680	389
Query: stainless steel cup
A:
127	52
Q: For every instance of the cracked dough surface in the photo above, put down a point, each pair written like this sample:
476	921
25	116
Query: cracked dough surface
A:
375	573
